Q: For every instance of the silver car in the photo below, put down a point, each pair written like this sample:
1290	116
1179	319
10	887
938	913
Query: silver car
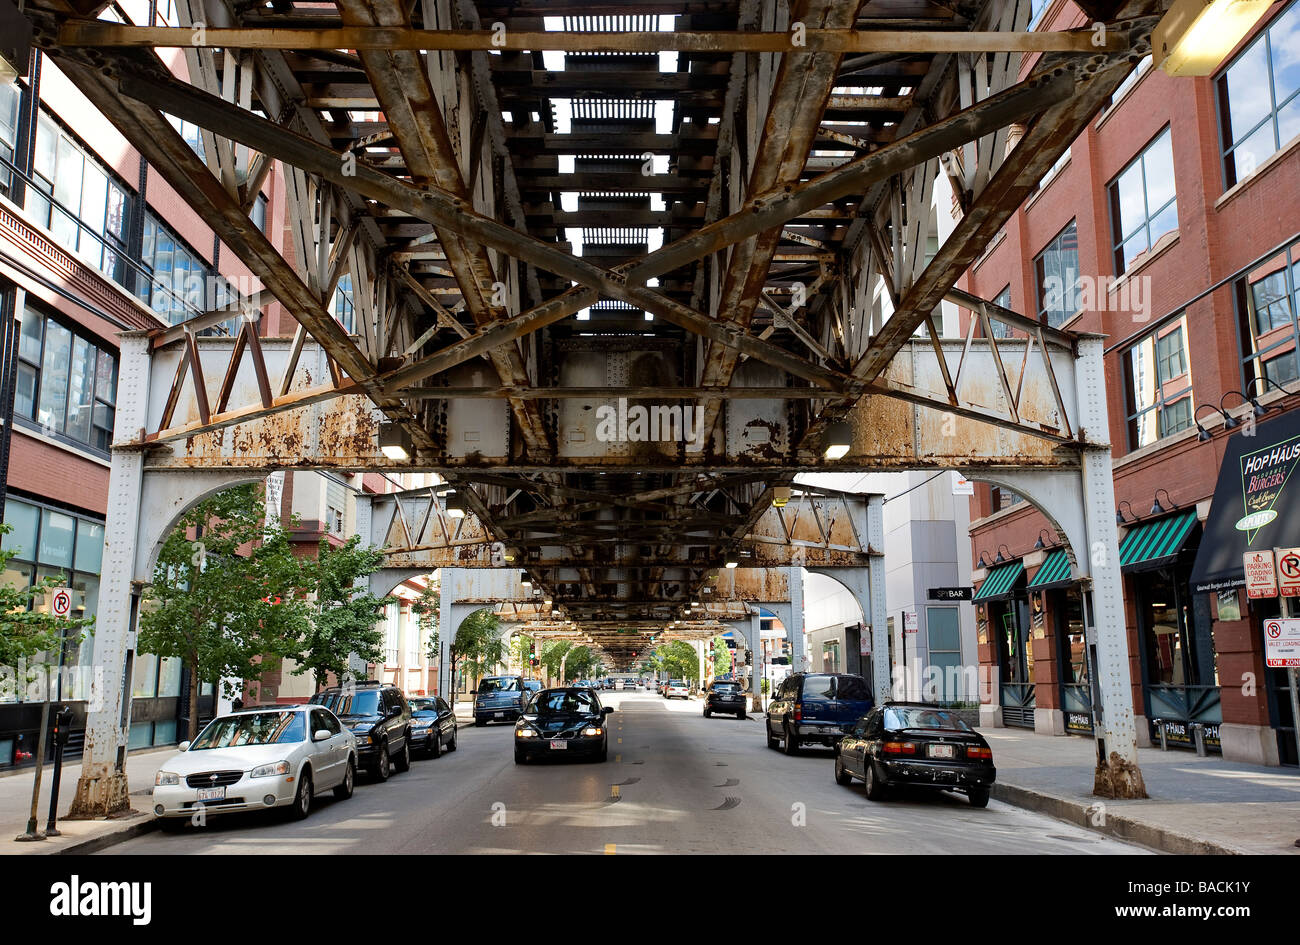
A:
257	759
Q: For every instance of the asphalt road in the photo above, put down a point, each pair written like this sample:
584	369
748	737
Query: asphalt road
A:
675	782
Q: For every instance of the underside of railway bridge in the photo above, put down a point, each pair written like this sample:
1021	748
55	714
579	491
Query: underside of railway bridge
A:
613	266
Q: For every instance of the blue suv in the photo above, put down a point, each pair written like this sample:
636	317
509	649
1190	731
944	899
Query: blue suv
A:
499	699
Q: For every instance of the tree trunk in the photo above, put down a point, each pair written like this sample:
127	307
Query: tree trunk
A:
195	683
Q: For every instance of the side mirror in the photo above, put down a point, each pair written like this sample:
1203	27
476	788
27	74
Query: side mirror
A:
473	692
183	746
321	735
607	710
395	711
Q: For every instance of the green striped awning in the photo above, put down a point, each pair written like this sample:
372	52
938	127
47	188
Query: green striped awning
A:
1000	581
1155	543
1055	570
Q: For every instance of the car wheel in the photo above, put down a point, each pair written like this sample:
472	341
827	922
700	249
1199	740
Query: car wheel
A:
384	766
435	743
708	714
604	754
741	714
479	723
302	800
451	745
171	824
791	741
772	740
842	776
344	790
979	796
403	762
520	757
875	790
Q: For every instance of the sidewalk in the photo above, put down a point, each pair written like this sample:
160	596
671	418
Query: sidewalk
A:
1196	805
79	836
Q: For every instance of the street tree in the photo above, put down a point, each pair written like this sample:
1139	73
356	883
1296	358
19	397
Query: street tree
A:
25	631
552	654
225	596
343	618
427	608
479	644
677	660
721	657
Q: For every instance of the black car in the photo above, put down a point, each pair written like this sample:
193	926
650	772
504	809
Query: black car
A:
916	744
380	718
725	697
816	707
563	722
433	725
499	698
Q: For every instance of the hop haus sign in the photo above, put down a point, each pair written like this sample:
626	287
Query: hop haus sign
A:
1256	504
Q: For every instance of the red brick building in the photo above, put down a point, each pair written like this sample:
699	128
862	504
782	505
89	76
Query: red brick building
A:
1172	226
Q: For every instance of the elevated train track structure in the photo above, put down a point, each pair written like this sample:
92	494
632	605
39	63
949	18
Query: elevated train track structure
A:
613	269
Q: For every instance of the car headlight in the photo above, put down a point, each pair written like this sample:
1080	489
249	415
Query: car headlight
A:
163	778
270	771
591	730
525	733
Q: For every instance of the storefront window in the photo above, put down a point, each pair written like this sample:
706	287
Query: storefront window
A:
1165	630
45	542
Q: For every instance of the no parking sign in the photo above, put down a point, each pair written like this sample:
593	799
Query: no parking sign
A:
61	601
1282	642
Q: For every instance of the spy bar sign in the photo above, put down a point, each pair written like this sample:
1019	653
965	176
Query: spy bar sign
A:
1261	576
1282	642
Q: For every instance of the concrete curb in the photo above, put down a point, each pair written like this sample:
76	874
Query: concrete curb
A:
136	827
1119	826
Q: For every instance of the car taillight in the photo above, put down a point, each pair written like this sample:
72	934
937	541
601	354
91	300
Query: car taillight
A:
798	713
900	748
975	751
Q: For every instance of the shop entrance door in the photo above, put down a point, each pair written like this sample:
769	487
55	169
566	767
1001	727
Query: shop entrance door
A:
1011	618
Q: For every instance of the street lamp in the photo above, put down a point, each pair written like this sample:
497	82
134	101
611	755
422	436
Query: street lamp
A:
999	559
839	437
1157	508
1119	513
1195	36
1205	434
1039	545
394	442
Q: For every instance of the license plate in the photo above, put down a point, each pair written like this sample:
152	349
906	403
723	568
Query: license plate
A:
941	751
500	715
212	794
559	744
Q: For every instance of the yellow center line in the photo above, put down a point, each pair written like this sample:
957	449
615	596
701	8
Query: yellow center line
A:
613	790
610	849
620	741
617	759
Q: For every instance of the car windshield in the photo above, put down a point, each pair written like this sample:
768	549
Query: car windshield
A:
252	728
365	702
563	702
498	684
852	689
902	717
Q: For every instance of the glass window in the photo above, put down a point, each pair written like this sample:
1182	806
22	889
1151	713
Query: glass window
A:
1158	385
1056	271
90	545
258	213
1000	328
66	383
57	537
343	306
1259	104
819	687
24	519
92	216
1143	207
10	98
175	277
1267	302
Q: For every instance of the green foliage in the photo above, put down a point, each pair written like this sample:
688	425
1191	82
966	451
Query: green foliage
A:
479	642
677	660
580	663
212	601
721	657
552	652
25	632
343	618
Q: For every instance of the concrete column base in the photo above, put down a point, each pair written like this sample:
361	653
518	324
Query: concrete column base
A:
99	794
991	716
1253	744
1143	731
1049	722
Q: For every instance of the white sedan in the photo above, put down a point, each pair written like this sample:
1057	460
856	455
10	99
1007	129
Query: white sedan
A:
257	759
